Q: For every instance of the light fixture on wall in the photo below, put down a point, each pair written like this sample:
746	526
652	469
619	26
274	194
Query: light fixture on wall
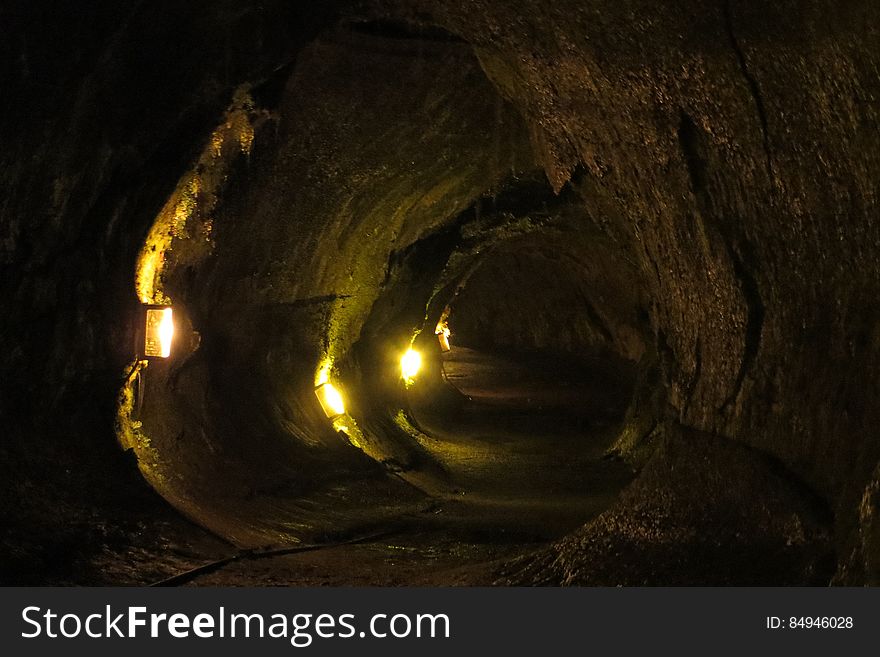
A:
330	399
410	364
158	331
442	331
443	339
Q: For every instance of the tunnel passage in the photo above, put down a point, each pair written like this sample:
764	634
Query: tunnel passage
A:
549	322
544	342
304	253
279	277
334	190
267	316
517	426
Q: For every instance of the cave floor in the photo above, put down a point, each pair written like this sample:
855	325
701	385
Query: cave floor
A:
527	447
525	458
524	455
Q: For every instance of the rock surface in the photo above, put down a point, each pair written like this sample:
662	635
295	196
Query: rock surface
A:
729	155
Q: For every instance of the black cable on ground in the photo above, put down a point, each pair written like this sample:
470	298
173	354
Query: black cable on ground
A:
248	555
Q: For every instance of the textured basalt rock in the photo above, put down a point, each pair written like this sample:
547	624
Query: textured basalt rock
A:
682	523
734	149
729	152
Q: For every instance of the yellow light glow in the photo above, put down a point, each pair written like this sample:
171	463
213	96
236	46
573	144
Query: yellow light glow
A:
443	338
159	332
322	374
346	424
166	332
410	364
442	332
330	399
341	424
187	214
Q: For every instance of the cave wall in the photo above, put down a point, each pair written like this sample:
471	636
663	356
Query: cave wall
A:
571	294
105	105
735	148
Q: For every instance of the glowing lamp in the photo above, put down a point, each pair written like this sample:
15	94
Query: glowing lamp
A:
330	399
442	331
410	364
443	339
159	332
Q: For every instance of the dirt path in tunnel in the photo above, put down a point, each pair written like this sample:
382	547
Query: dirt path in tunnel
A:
527	447
525	459
524	455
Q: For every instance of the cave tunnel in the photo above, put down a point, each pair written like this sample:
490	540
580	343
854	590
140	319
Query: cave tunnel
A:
440	293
